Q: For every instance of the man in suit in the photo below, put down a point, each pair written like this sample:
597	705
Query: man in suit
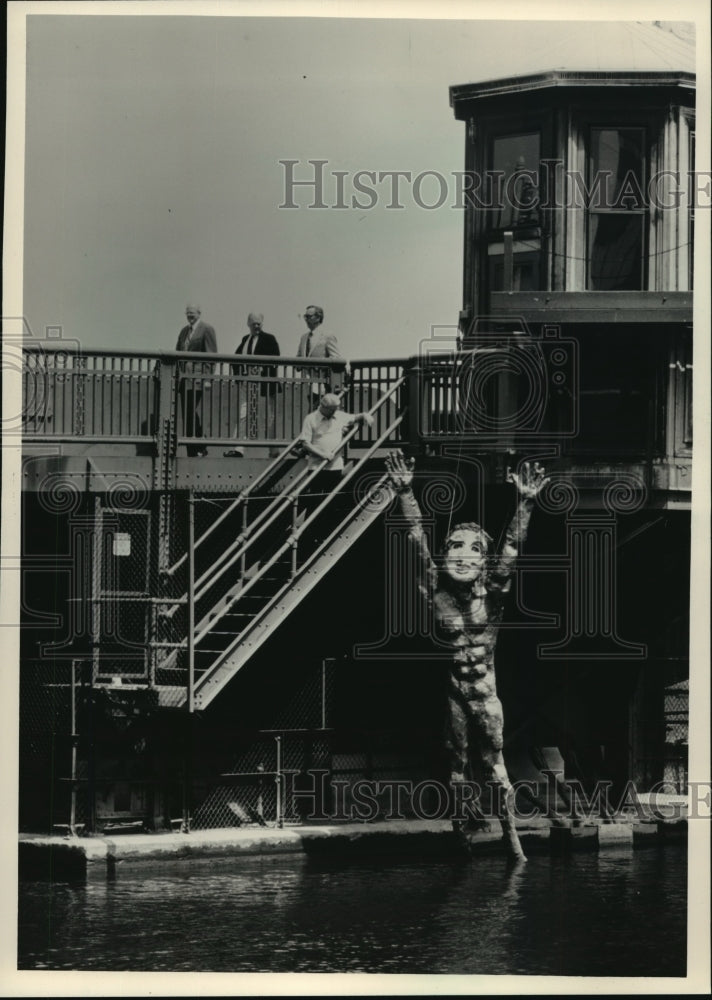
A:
196	335
259	342
317	343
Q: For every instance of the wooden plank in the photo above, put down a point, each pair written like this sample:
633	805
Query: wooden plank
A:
595	307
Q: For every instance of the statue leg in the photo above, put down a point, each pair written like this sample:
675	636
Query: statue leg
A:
457	738
489	725
458	743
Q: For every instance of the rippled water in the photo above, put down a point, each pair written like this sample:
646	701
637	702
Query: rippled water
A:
588	914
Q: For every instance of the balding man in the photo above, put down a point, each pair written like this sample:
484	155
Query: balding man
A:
321	439
196	335
257	341
323	430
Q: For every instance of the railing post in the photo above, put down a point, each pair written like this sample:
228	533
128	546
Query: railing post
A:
188	756
295	539
96	576
278	782
79	382
243	530
191	602
260	808
90	825
166	410
415	394
165	438
153	613
73	771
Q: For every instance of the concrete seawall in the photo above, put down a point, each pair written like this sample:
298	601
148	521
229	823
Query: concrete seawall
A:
59	858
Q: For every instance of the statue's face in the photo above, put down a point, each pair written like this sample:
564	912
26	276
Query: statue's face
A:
465	557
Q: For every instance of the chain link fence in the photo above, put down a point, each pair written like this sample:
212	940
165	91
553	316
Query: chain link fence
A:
661	727
45	746
140	586
123	575
266	782
676	707
264	772
303	770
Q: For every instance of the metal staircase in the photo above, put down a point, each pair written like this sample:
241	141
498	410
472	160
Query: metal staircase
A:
237	594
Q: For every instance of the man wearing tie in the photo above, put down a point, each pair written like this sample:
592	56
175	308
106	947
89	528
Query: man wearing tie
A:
195	336
317	343
259	342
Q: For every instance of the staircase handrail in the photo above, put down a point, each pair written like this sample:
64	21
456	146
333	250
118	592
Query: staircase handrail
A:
208	622
266	518
250	635
244	494
295	533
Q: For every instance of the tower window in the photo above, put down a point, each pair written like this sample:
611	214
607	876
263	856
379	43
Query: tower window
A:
617	210
513	177
515	180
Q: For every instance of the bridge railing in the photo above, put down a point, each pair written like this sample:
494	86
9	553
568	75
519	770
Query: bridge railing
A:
89	395
497	397
255	401
121	396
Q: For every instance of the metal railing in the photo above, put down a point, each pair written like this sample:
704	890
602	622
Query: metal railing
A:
501	395
121	396
241	502
239	566
92	395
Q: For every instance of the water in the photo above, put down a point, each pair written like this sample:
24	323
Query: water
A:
587	914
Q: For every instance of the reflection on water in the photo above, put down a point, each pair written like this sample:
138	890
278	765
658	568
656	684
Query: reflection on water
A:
588	914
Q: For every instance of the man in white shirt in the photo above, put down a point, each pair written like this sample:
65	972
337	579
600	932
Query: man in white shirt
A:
321	437
323	431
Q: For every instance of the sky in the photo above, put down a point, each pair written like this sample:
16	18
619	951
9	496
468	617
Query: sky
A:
153	173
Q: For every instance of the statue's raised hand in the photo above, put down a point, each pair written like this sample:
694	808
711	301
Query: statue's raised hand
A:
400	470
530	480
